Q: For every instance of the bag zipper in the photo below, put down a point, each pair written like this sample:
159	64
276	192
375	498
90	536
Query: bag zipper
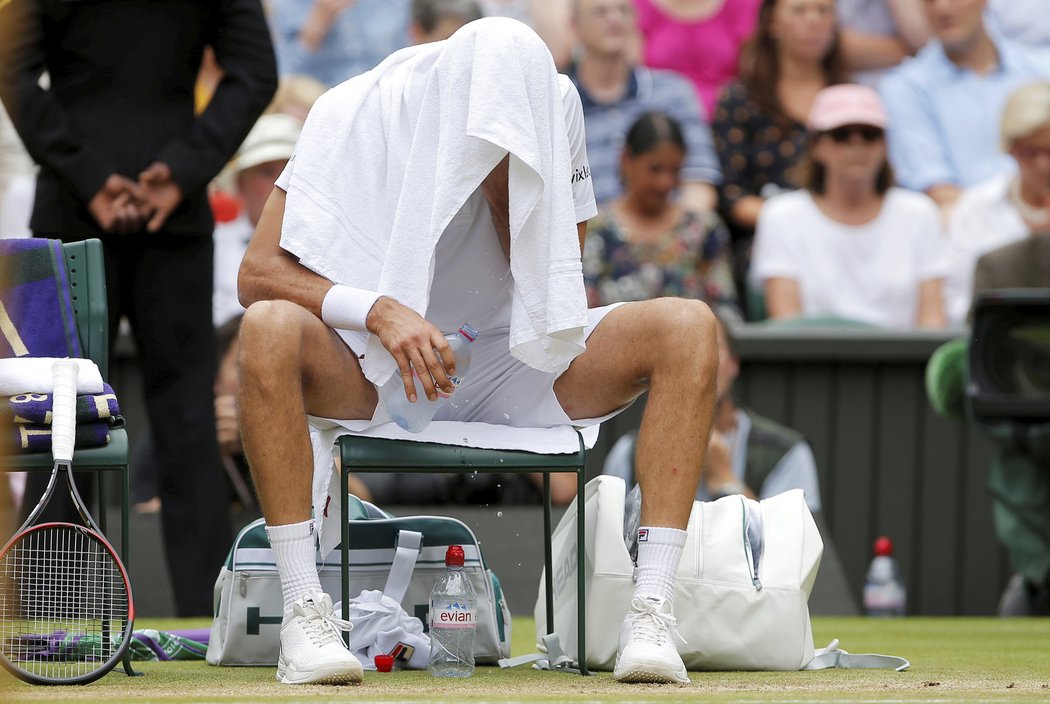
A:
752	563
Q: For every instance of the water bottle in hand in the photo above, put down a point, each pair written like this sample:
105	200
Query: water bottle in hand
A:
884	592
414	417
453	623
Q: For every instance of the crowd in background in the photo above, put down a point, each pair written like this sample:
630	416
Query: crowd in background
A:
778	159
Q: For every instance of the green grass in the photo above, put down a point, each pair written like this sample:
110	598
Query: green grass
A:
953	659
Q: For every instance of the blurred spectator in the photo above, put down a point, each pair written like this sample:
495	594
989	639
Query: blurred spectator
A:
759	124
878	34
1008	207
944	104
16	207
850	245
123	158
748	454
699	39
434	20
1023	21
295	95
645	246
332	40
550	19
615	91
14	164
259	161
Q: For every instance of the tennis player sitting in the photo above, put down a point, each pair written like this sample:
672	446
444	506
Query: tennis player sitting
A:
451	185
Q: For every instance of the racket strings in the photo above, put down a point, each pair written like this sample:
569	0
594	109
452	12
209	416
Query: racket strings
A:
63	603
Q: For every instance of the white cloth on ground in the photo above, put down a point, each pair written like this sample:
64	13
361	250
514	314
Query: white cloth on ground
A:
380	624
33	375
423	129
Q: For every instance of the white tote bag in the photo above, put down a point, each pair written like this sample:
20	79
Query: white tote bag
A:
741	604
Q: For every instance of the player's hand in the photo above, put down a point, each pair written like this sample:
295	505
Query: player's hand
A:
416	345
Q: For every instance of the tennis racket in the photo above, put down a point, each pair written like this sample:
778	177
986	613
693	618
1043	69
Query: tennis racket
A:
66	613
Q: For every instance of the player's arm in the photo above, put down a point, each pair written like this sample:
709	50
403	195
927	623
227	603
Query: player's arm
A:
269	273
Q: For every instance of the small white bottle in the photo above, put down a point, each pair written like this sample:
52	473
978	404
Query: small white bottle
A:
453	619
414	417
884	592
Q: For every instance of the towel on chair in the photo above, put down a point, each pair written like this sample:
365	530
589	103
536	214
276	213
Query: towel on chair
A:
36	311
36	408
36	437
33	375
388	158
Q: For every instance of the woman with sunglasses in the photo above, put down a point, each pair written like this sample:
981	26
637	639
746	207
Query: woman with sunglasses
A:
850	245
758	124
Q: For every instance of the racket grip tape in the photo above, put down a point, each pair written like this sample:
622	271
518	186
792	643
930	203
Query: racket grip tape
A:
64	409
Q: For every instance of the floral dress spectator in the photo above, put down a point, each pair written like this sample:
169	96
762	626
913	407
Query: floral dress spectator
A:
644	245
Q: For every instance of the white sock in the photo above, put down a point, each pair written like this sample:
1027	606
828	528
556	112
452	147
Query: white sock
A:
294	551
659	552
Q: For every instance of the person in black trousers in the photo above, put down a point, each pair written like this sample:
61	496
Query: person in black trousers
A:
124	158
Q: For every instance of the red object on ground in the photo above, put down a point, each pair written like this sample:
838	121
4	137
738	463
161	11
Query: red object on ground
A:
384	663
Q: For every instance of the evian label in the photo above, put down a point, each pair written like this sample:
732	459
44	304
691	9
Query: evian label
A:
455	615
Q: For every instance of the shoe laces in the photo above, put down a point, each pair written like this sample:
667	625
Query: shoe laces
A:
650	622
321	625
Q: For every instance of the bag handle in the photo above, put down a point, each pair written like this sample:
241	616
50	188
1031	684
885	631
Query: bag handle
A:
834	657
408	543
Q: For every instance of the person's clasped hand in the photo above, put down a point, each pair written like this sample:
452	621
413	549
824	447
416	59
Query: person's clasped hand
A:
120	205
162	194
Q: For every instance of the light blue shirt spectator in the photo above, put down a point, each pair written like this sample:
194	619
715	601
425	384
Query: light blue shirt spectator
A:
359	37
1025	21
647	90
944	120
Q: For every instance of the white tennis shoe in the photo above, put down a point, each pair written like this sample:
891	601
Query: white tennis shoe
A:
647	648
312	648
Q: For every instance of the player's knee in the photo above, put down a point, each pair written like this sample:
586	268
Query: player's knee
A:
269	331
687	327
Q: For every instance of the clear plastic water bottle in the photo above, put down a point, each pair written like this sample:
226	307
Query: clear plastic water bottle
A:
453	611
884	592
414	417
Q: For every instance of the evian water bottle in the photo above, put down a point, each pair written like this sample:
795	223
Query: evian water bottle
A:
414	417
453	607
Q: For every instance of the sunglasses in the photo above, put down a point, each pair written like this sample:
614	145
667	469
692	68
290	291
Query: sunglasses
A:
869	133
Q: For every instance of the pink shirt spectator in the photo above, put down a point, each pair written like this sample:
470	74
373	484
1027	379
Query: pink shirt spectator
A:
706	50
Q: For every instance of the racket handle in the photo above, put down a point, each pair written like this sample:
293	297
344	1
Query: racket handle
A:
64	410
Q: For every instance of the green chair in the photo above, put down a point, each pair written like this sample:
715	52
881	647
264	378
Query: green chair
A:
87	283
364	454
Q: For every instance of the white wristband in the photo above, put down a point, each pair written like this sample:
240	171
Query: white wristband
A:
346	307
